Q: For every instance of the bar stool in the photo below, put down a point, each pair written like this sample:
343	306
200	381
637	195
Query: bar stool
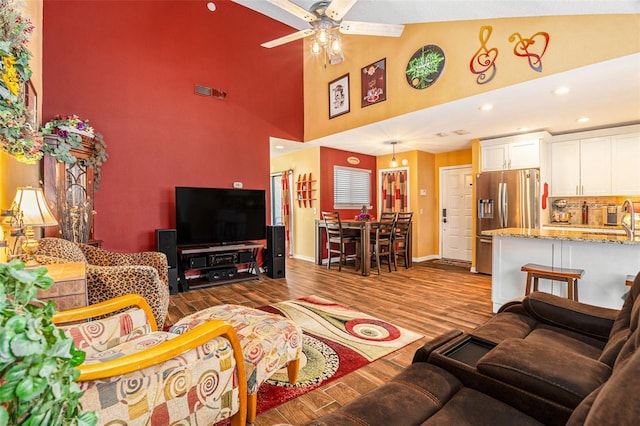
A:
536	272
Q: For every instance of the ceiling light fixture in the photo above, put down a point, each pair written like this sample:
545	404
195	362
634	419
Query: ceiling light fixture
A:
561	90
394	162
583	119
328	43
486	107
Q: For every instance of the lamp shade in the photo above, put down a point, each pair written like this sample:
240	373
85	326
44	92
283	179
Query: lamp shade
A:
35	211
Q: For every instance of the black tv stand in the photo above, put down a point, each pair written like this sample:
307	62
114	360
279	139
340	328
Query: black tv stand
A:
212	265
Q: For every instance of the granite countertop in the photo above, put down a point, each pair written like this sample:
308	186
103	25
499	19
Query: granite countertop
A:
601	228
554	234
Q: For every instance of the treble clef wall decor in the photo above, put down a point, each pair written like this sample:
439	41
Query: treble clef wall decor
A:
483	62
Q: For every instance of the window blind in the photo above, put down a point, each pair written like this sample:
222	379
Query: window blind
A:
351	187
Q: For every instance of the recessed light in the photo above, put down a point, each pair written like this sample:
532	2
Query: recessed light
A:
211	6
279	147
583	119
486	107
562	90
522	129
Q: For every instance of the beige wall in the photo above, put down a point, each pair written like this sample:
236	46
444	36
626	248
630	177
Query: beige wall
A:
575	41
302	162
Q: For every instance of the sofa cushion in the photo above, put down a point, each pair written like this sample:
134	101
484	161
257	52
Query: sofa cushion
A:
585	319
505	325
558	339
470	407
409	398
533	367
615	402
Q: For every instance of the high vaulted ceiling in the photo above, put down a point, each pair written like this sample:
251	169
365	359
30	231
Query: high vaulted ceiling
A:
608	92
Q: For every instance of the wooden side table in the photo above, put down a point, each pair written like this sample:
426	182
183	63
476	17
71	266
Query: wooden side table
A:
70	288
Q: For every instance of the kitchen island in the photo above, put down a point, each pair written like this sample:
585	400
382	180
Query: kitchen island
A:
606	259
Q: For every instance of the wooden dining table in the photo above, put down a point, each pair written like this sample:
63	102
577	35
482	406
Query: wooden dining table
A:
364	228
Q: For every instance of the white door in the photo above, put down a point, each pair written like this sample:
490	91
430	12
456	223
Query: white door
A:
456	207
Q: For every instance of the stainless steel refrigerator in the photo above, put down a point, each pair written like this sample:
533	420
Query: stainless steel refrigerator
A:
504	199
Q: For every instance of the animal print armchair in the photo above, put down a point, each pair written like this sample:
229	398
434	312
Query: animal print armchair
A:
134	374
111	274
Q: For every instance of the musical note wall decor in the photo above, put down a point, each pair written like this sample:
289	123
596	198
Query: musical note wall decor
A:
483	62
532	48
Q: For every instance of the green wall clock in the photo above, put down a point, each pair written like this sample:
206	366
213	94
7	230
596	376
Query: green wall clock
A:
425	66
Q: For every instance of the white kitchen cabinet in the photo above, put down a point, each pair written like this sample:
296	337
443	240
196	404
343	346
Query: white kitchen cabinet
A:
625	158
494	157
581	167
595	166
565	168
524	154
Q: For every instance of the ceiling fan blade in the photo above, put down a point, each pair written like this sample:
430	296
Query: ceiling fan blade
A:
338	8
294	9
371	29
286	39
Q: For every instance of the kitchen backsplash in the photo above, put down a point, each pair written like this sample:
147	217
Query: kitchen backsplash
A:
596	206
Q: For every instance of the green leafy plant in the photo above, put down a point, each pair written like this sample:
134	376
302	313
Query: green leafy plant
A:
16	135
37	360
69	130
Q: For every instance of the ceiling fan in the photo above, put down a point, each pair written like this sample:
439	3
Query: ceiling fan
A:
324	17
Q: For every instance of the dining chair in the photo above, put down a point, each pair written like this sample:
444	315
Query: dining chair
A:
401	239
337	241
382	239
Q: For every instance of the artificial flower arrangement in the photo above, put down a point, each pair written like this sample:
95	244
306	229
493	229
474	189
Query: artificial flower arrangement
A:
364	214
69	131
17	137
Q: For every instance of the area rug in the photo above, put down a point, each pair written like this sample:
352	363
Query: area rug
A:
336	341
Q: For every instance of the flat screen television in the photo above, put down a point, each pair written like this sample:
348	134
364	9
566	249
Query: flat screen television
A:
219	215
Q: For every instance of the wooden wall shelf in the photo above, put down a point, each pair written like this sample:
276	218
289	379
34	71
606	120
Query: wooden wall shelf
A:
304	190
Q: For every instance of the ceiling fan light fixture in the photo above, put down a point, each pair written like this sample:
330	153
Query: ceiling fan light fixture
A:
316	48
323	37
336	44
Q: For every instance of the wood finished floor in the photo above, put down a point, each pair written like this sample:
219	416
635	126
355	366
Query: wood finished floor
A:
428	298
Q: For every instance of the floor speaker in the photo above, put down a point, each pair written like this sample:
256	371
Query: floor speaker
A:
173	280
275	253
166	243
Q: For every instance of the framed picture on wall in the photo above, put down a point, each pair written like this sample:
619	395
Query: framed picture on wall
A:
339	96
374	83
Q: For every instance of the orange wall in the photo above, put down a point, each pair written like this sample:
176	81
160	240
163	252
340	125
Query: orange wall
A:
575	41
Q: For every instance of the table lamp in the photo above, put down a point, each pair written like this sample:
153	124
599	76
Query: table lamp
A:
35	212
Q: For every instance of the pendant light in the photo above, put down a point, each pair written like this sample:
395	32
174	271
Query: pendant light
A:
394	163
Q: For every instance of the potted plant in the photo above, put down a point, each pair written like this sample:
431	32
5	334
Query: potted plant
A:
37	360
70	134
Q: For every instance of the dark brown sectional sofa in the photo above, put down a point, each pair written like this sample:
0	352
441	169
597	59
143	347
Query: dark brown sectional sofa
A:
542	360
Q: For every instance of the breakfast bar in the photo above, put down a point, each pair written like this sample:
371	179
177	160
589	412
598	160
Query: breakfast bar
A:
606	258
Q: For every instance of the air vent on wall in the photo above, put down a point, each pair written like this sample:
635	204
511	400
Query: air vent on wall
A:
208	91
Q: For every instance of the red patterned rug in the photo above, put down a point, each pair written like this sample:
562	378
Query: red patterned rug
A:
336	341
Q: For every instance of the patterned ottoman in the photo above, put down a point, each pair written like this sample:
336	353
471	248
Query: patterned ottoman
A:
269	342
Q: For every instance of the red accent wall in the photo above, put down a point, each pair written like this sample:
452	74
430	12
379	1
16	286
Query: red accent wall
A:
130	68
330	157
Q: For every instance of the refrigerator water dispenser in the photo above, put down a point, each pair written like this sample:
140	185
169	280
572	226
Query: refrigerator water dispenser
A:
485	209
